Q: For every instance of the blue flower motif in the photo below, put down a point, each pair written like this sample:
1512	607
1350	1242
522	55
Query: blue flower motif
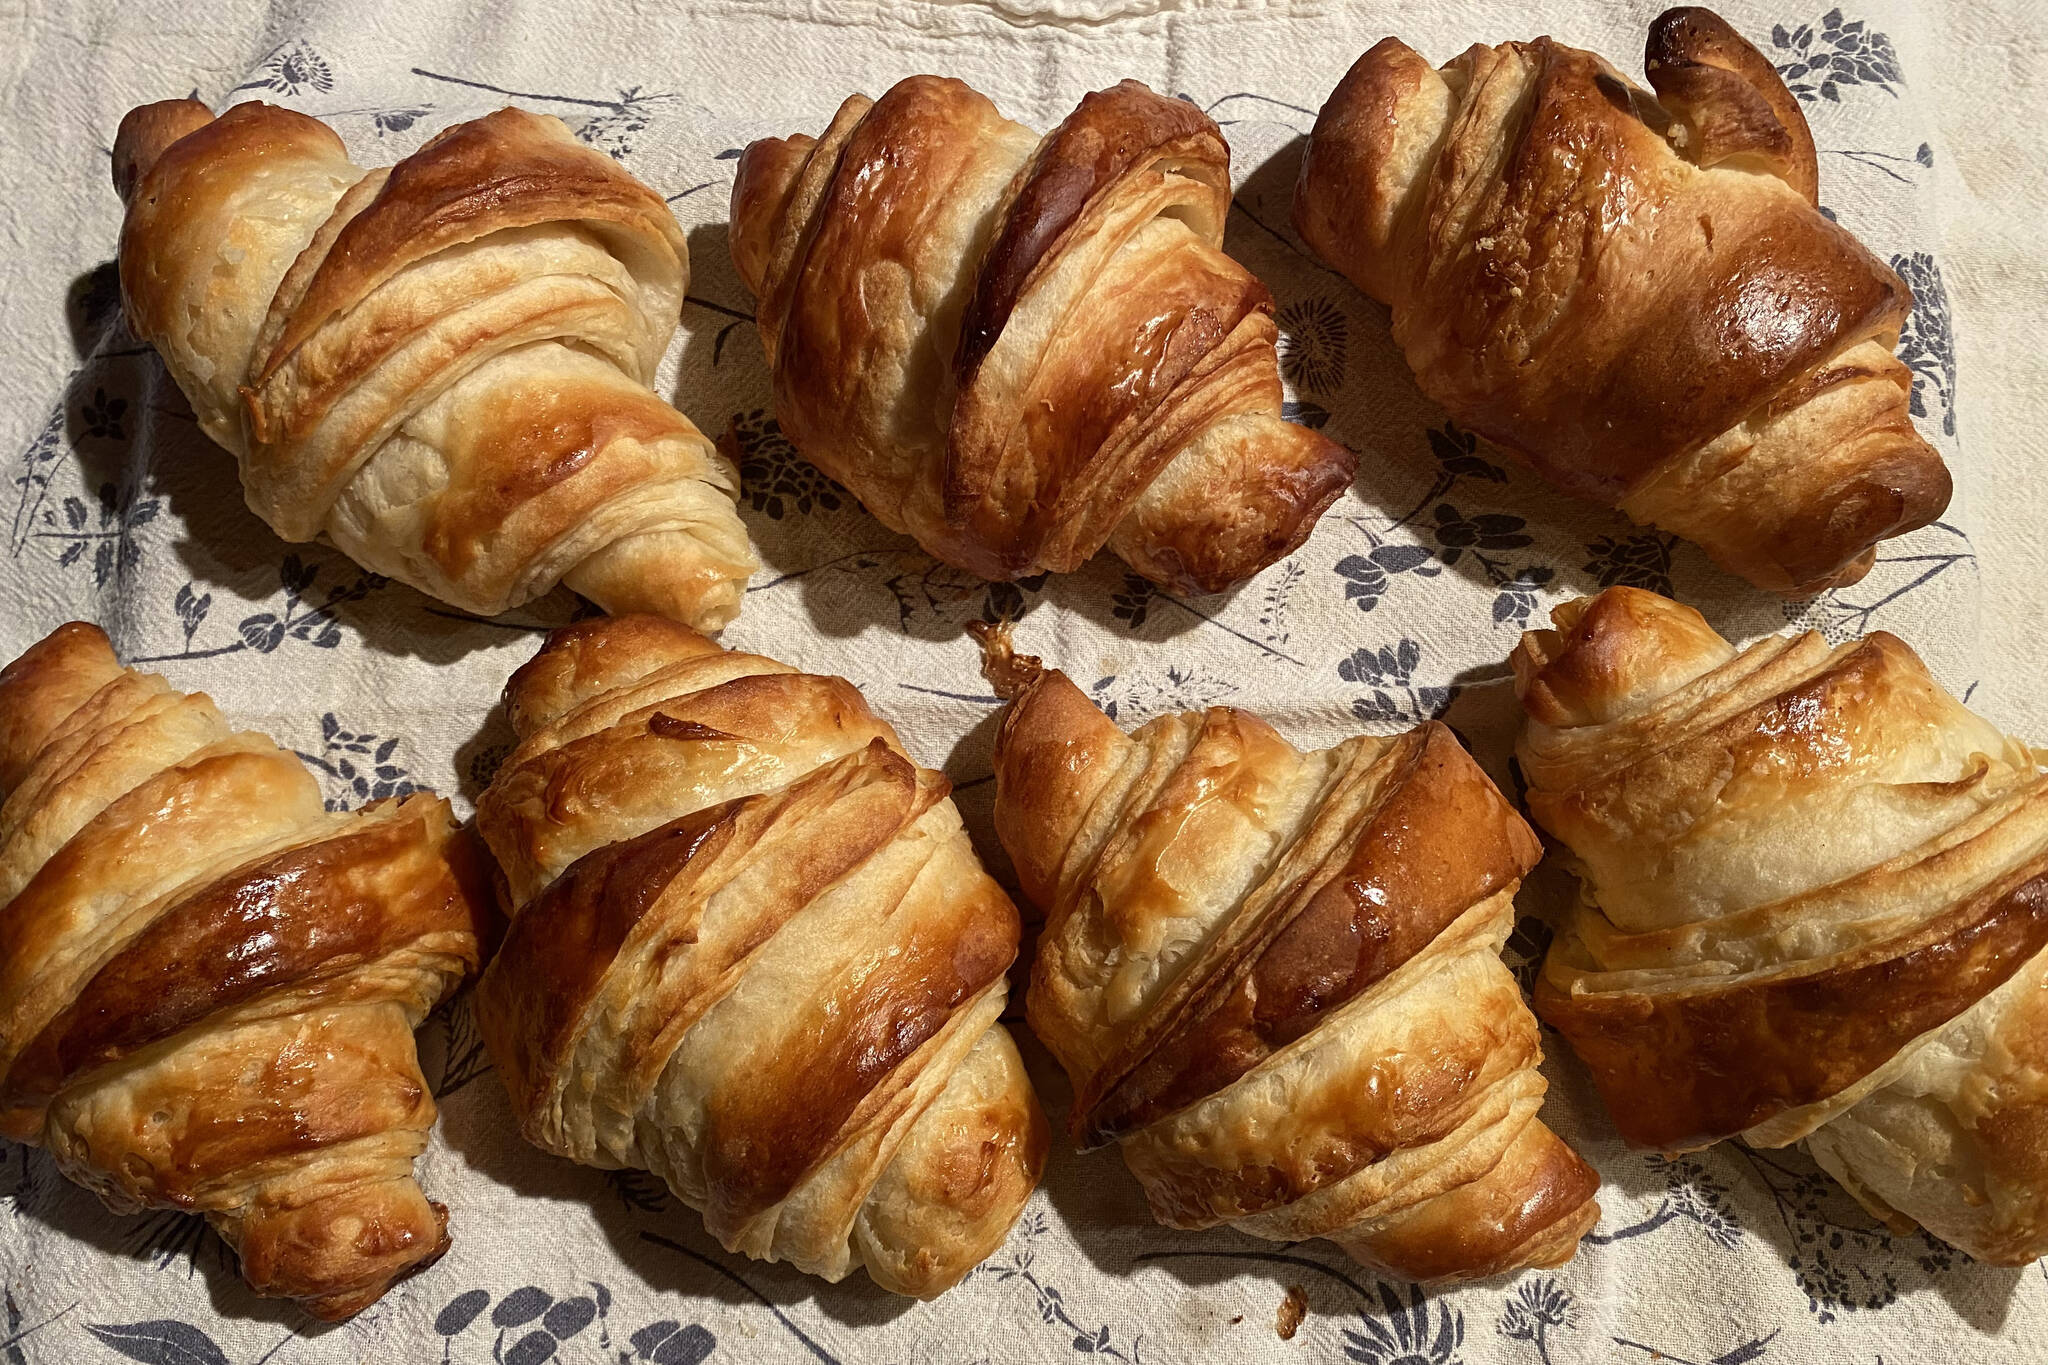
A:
101	416
1639	561
291	69
398	120
1516	600
1455	533
1418	1332
1389	665
1536	1308
358	765
1820	61
1392	668
1314	338
1366	576
1926	344
116	553
1132	603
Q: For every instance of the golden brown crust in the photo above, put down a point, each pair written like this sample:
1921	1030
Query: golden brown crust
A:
442	366
1441	840
1638	297
753	953
1274	977
543	441
1110	133
1731	99
766	1137
1051	741
300	922
188	168
146	132
1018	350
1609	652
505	170
1530	1210
591	657
208	983
41	689
974	1157
286	1253
1816	907
1682	1073
1365	138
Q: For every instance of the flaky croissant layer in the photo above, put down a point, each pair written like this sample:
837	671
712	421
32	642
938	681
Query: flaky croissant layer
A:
209	982
1019	349
440	366
1816	909
1275	978
753	952
1637	292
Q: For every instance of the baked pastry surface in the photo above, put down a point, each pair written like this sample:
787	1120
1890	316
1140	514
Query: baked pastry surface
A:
1019	349
1815	908
753	952
1275	978
209	982
1635	291
441	366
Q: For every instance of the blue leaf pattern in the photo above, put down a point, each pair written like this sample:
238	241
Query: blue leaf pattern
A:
1925	343
1821	60
162	1341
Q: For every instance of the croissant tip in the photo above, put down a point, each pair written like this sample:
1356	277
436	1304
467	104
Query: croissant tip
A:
1009	672
146	133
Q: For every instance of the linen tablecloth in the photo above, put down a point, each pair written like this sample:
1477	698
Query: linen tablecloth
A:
1403	605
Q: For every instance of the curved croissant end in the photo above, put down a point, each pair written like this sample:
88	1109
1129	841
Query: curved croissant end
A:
441	366
1019	349
1275	978
1817	909
1635	292
208	982
752	952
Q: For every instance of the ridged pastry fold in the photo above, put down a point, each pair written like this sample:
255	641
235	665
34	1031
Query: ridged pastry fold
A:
1815	908
753	952
1274	978
441	366
209	981
1019	349
1634	290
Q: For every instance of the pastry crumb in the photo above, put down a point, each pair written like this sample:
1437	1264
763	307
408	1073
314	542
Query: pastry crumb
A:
1293	1309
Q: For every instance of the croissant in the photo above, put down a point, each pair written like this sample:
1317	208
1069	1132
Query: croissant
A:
209	983
1636	292
1275	978
1816	907
753	953
442	367
1019	349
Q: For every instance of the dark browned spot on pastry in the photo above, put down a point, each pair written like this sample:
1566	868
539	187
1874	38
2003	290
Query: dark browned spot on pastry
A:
1112	132
1681	1071
764	1136
288	922
559	948
668	727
